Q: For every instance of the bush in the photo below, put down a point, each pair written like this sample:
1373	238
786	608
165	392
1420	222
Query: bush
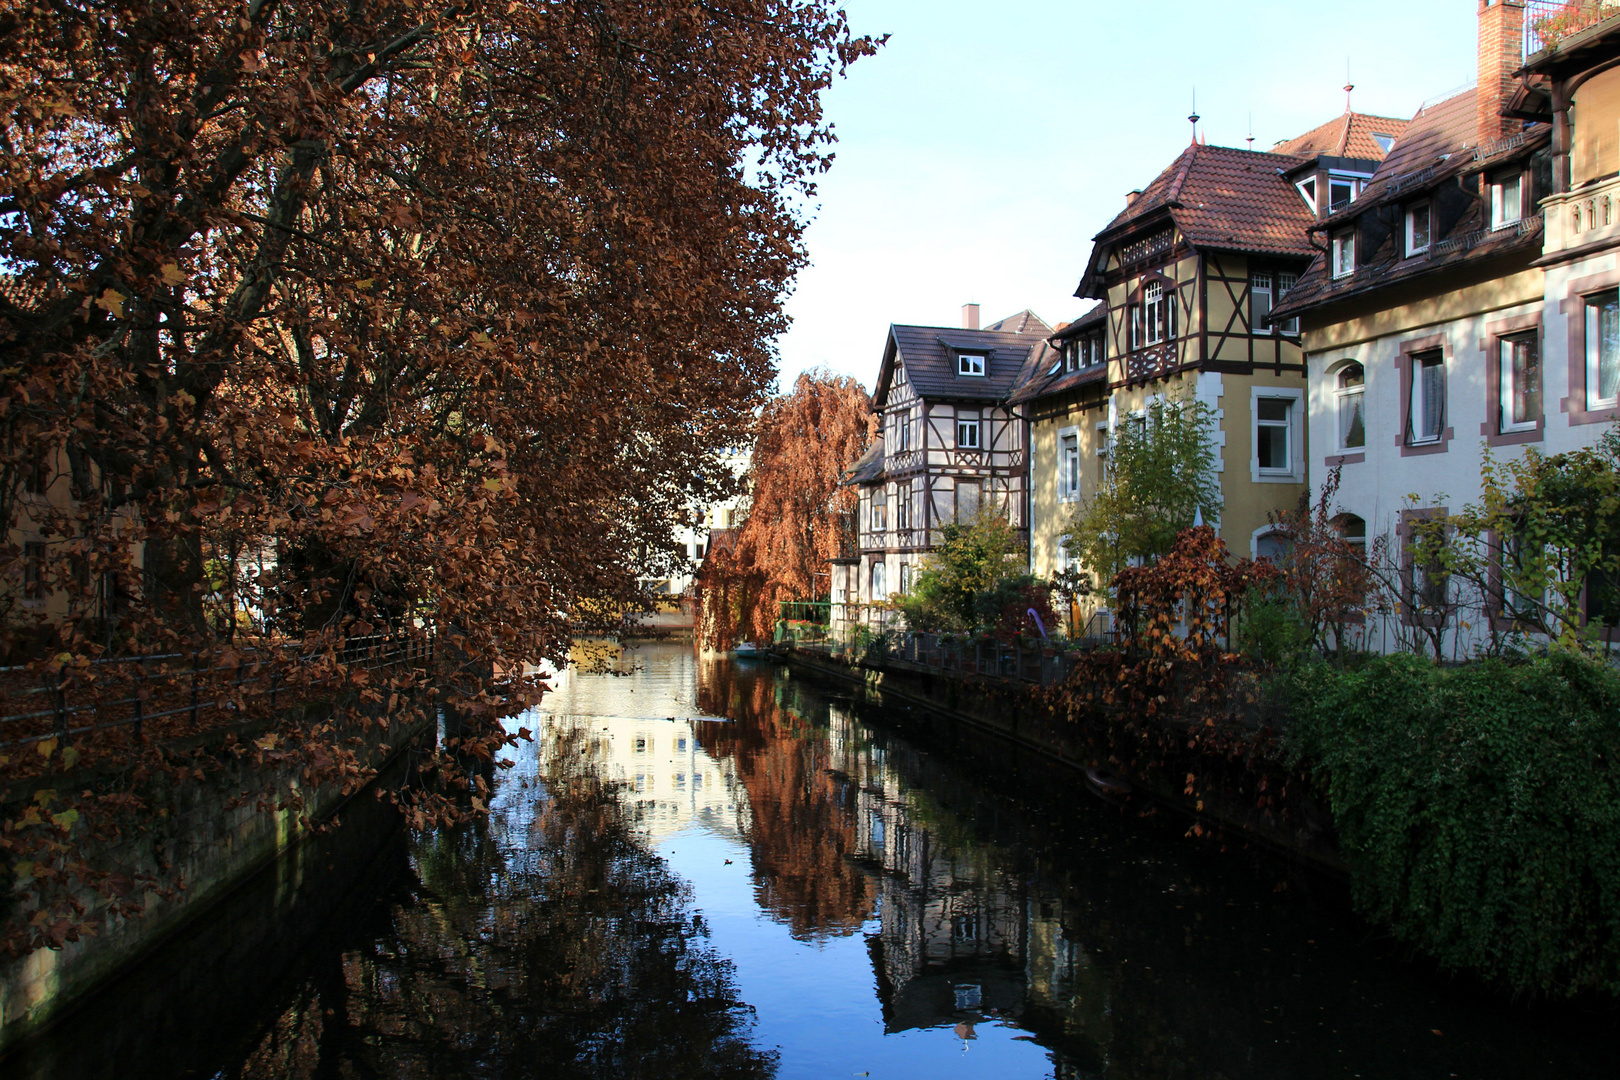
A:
1005	607
1270	629
1479	808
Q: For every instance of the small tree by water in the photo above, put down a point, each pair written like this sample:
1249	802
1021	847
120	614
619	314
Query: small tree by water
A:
1160	479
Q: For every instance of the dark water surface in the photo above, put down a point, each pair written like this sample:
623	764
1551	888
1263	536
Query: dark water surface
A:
723	870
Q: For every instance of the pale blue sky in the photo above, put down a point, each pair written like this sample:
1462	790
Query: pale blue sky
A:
984	146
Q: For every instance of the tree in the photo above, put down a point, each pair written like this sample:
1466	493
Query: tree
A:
1160	478
349	319
1326	579
953	588
800	511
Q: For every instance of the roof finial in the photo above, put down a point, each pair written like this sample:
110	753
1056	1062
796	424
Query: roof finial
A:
1194	118
1348	84
1251	130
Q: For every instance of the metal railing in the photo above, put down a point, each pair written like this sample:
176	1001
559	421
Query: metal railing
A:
1547	22
136	691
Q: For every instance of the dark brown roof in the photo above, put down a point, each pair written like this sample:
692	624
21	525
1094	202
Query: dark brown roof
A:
868	468
1440	145
1350	135
1023	322
929	354
1046	375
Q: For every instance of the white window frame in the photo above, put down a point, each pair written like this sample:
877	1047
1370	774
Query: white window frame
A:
1412	247
1158	317
1286	280
1101	454
1343	254
905	579
971	424
877	579
1356	181
1594	351
1504	361
1310	196
1295	473
1343	396
972	364
880	512
1415	405
1501	206
1261	282
1070	470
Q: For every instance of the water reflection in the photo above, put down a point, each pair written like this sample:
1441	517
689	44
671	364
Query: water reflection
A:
722	870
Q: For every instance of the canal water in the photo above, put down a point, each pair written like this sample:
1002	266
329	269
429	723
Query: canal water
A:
723	869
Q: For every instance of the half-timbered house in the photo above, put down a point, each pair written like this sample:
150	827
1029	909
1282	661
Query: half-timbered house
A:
949	444
1187	276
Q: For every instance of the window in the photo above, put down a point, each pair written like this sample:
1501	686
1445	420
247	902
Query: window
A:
1385	142
905	578
680	745
1307	191
902	507
1354	531
1069	467
1285	285
1102	454
878	591
1417	229
1350	403
967	500
1603	350
967	431
1521	383
1342	190
1426	414
1274	422
680	781
1138	338
1507	200
1510	567
1344	254
1158	316
699	549
642	745
970	363
880	511
1260	302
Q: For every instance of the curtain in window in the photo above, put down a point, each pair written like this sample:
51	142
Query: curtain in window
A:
1522	370
1427	420
1352	408
1603	348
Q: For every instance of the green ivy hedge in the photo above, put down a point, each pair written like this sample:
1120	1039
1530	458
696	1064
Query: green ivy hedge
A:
1479	808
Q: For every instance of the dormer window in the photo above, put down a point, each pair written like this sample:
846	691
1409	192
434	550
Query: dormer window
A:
1418	224
1385	142
1344	254
1307	191
1507	200
970	364
1343	189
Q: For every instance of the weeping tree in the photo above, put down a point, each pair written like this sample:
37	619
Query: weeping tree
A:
799	507
325	321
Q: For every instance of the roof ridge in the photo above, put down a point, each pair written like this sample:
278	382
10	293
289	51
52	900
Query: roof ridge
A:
1188	156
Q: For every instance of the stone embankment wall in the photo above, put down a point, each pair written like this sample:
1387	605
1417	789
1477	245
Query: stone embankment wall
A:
204	834
1292	823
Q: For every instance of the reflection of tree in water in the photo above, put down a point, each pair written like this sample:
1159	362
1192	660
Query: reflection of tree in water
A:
576	955
802	832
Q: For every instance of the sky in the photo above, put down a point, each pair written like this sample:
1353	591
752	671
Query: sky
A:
985	145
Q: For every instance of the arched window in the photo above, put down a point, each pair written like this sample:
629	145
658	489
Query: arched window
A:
1350	404
1354	531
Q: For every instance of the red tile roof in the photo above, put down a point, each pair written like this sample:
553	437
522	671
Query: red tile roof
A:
1225	198
1350	135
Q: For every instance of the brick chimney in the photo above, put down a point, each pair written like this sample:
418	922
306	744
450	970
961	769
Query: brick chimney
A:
970	316
1501	53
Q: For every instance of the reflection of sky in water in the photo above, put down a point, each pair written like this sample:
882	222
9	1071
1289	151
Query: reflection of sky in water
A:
816	995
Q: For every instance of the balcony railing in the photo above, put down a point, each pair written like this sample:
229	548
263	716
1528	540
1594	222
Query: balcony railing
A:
1547	22
1583	218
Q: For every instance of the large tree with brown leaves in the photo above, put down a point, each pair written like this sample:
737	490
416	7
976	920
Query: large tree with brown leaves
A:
340	319
800	515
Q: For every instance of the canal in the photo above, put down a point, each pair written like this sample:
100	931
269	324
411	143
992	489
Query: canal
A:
721	869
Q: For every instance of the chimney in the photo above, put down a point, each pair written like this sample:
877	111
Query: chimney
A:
1131	197
1501	53
970	316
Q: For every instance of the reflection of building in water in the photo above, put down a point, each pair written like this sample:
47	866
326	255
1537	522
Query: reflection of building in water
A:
667	777
961	936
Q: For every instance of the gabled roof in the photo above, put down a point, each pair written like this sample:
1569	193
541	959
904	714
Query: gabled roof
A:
929	355
1350	135
1220	199
868	468
1045	372
1440	144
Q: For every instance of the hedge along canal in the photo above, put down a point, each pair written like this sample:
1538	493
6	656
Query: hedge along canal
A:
709	869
